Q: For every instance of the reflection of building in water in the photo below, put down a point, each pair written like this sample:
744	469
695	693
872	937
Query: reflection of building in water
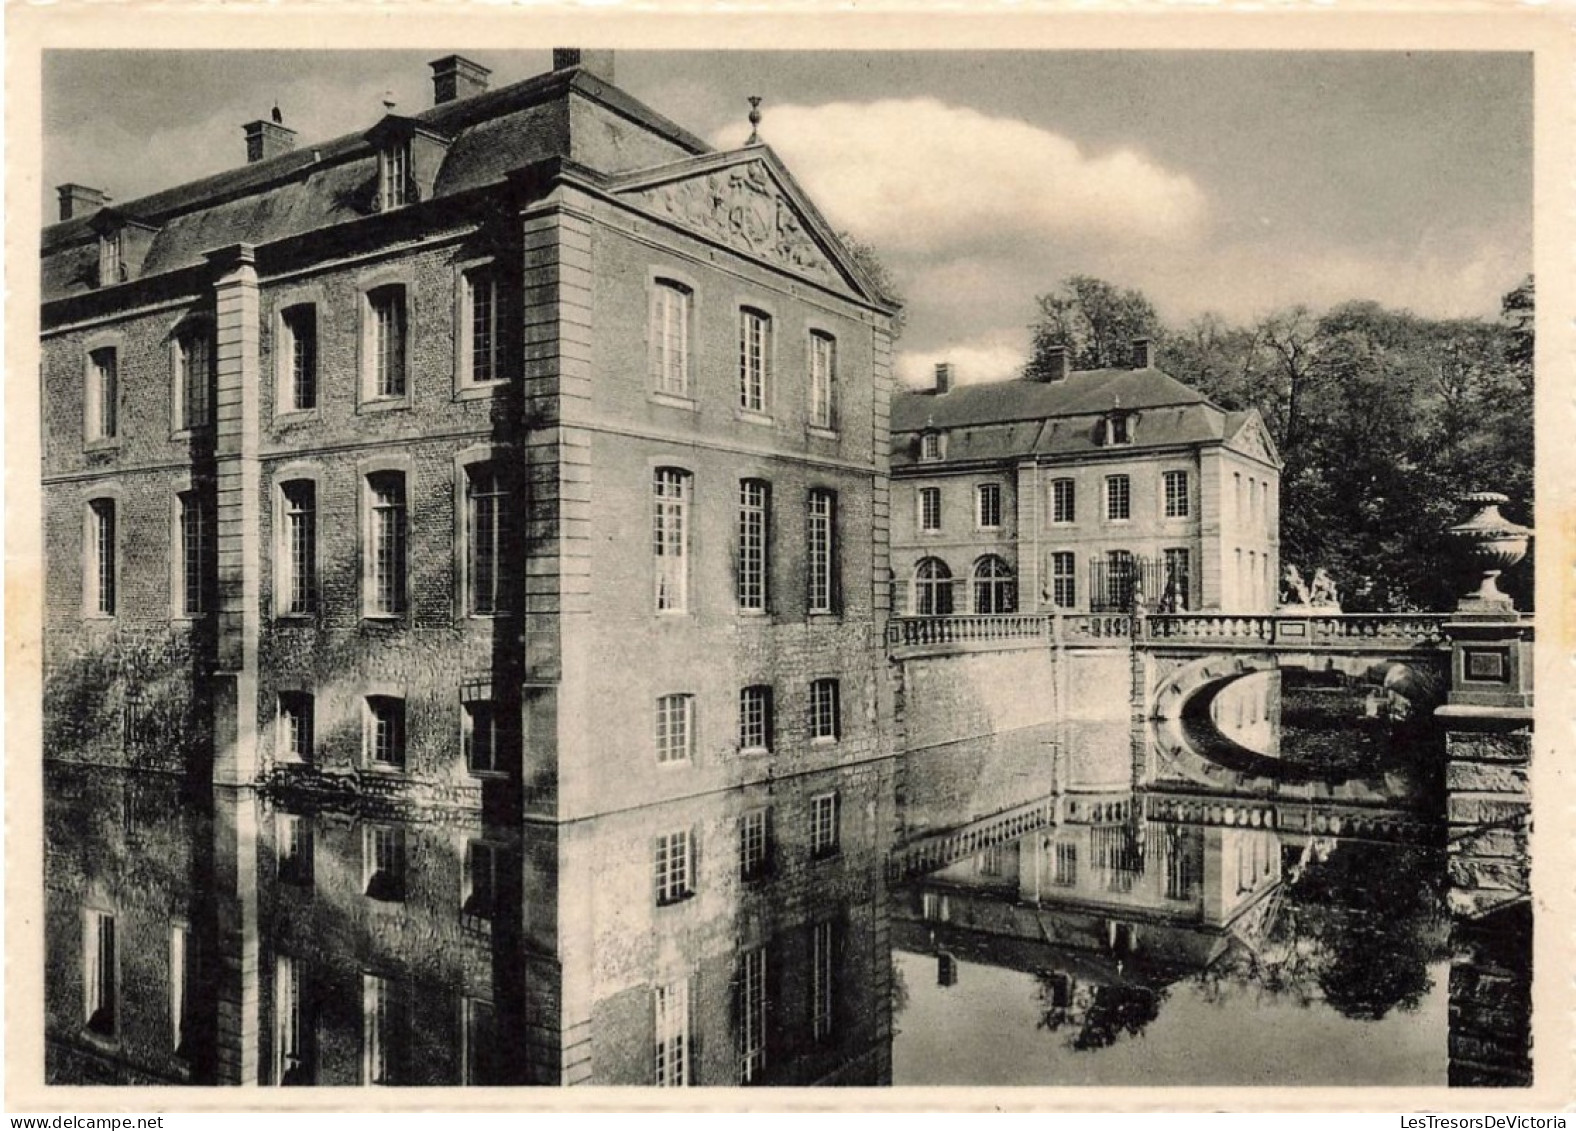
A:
1247	711
590	539
739	938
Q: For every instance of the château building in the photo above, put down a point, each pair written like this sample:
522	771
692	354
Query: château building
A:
1090	491
458	508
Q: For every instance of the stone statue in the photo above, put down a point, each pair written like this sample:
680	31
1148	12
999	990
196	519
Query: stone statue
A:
1322	591
1294	591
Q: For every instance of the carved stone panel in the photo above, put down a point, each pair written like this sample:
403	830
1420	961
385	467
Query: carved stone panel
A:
744	207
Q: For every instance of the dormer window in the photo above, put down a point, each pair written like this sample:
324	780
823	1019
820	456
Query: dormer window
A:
930	446
112	269
395	189
1119	428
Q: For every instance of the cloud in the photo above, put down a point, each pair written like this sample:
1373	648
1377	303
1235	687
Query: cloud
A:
920	176
995	357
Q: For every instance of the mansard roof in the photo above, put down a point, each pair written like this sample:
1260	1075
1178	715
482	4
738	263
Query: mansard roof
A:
1022	419
331	182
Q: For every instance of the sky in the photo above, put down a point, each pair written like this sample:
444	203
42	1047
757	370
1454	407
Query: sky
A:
1227	182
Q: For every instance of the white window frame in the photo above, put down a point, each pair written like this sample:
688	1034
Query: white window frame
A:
823	381
1118	486
398	738
290	573
478	280
670	312
672	488
826	711
491	548
192	509
671	1016
384	852
982	511
182	971
1177	502
1064	489
293	849
928	500
673	863
755	844
931	447
193	347
823	978
379	354
753	589
1067	578
100	975
756	334
101	396
296	706
675	728
389	556
752	1015
380	1009
755	719
299	358
111	258
821	550
396	185
101	527
291	1032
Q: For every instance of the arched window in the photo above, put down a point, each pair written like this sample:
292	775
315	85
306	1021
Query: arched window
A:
995	591
932	588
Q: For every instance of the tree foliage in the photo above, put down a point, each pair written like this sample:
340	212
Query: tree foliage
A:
1384	420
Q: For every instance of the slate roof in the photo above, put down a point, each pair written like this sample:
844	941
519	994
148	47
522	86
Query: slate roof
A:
323	183
1022	418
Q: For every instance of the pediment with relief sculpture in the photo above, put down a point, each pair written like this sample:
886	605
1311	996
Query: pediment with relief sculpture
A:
1253	439
744	205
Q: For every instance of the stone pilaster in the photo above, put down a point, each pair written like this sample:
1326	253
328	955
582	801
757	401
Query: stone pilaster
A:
234	895
237	474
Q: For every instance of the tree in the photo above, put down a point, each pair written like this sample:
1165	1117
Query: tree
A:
870	262
1095	320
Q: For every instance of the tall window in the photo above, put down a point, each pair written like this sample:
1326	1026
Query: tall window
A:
930	509
1066	868
995	590
1178	504
103	394
674	875
823	381
1120	576
987	510
675	728
386	535
297	583
485	505
394	180
755	360
481	1055
755	497
100	973
932	588
479	897
479	735
292	1062
386	342
1178	582
295	726
385	737
755	844
1063	501
300	357
670	539
671	1004
1064	580
825	836
183	968
755	719
826	716
294	832
194	377
111	269
383	862
823	973
1118	498
821	552
482	359
669	337
752	1015
380	1010
196	553
100	564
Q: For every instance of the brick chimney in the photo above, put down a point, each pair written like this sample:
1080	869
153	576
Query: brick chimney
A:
455	77
1057	365
944	377
598	63
265	139
1143	353
79	200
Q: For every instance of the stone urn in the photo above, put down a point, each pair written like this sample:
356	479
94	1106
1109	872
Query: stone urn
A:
1494	544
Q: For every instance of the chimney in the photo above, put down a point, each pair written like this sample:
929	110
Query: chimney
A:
1143	356
598	63
1057	366
944	376
455	77
79	200
265	139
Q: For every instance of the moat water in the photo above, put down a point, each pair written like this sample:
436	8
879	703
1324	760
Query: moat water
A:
1270	880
